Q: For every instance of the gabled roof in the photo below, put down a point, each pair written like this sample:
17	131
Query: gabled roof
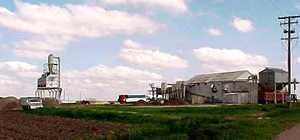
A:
277	70
226	76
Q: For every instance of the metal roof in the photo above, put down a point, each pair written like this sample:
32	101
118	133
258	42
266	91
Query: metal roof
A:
278	70
226	76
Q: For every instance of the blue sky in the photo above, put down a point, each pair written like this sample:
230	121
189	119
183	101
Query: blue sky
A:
121	46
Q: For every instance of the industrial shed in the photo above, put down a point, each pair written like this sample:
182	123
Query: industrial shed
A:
272	85
237	87
270	77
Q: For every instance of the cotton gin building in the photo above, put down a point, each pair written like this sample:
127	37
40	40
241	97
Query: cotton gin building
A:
239	87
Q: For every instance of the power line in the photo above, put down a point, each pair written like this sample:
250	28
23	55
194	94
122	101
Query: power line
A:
288	21
277	7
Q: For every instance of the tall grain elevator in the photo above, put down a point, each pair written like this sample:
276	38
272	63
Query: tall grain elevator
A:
48	85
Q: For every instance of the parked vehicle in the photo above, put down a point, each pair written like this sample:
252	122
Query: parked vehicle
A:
131	98
28	103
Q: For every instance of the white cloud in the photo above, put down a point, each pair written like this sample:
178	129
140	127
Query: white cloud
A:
17	78
39	47
215	32
135	53
177	6
242	25
58	25
16	66
108	82
216	60
74	20
298	59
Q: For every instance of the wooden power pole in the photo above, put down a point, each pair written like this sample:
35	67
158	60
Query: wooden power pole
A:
289	21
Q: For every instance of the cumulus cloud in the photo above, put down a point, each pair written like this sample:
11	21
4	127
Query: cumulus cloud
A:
39	47
136	53
103	80
60	23
73	20
215	32
177	6
217	60
17	78
298	59
21	68
242	25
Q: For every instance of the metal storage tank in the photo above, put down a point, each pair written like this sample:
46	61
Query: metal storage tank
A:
271	76
53	64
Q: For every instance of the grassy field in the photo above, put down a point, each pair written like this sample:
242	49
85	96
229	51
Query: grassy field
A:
246	122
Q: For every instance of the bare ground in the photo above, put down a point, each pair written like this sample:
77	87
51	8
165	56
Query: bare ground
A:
21	126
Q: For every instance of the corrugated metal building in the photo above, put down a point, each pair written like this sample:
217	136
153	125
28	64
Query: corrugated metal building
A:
272	85
270	77
237	87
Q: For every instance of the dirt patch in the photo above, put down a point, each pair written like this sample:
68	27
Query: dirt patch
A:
258	115
176	102
9	103
140	103
48	102
21	126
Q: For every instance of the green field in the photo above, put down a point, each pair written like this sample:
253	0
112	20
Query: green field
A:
246	122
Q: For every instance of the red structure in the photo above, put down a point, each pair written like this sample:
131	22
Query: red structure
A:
272	83
267	97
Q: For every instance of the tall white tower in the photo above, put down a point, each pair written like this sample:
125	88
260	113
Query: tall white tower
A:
49	83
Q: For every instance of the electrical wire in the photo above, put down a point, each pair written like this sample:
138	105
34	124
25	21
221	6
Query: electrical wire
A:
296	42
297	35
277	7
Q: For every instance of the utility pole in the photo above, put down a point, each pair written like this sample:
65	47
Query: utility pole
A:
291	20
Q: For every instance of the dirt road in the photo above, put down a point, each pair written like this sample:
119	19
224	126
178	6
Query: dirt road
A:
290	134
20	126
